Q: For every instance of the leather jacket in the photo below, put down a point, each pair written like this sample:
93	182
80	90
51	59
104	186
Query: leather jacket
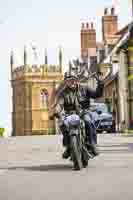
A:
77	100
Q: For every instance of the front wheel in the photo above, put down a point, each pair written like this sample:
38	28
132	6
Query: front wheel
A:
84	159
76	152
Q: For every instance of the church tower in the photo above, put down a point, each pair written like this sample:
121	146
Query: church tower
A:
33	87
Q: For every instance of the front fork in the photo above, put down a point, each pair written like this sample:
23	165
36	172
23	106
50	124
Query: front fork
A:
77	133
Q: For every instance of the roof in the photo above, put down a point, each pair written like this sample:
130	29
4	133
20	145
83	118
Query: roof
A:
116	49
123	30
109	78
125	34
112	39
100	45
120	42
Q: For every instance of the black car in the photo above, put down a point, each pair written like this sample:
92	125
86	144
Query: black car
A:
103	119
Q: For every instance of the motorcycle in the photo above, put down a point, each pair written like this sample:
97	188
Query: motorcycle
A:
79	153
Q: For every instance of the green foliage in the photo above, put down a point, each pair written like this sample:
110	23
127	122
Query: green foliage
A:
2	130
51	131
127	131
108	100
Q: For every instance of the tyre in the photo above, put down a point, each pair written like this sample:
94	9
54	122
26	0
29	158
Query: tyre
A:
85	156
76	153
84	160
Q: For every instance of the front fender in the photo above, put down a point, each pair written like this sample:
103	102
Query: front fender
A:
74	131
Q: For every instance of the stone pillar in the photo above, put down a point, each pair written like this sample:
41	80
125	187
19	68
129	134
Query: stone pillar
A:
12	63
25	56
60	60
45	67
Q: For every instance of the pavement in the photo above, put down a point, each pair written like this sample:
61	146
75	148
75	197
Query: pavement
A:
31	167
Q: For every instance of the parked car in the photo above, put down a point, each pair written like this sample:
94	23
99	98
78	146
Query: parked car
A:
103	119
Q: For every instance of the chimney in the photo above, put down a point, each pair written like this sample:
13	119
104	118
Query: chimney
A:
109	24
92	25
88	41
82	27
87	25
105	11
112	11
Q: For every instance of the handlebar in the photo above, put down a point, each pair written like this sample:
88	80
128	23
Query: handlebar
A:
55	115
94	74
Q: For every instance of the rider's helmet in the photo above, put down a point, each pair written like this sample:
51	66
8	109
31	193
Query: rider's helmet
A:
71	81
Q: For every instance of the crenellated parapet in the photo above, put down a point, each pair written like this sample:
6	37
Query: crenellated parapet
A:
35	70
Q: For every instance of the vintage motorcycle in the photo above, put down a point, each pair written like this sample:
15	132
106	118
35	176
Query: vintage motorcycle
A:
79	149
79	152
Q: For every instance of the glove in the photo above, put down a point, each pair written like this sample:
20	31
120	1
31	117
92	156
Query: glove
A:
56	115
51	117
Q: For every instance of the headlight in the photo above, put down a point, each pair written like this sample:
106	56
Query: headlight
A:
73	120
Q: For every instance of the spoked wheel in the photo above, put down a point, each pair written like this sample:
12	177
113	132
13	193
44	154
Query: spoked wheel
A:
84	159
85	154
76	153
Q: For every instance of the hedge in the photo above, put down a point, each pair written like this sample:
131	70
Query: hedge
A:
127	131
2	130
51	131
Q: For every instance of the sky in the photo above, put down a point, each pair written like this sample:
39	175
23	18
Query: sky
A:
46	24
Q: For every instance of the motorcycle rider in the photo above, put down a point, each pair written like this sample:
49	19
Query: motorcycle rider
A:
76	98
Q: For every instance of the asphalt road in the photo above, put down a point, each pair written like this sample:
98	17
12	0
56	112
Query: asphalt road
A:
31	168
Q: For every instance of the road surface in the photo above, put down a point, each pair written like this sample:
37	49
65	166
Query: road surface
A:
31	168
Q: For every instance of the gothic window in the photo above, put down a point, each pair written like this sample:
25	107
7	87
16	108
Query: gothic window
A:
44	98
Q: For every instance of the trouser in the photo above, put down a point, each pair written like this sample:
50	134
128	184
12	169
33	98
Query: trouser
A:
65	133
90	128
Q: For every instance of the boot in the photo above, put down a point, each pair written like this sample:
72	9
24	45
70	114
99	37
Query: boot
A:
66	153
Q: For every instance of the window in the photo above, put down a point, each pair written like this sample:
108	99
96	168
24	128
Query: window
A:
44	98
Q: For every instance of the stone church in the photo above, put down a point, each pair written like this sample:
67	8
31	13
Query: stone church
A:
33	86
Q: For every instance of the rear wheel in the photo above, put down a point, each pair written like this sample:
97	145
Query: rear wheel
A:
76	153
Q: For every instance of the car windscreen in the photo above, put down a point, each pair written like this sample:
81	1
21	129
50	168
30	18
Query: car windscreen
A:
102	108
99	107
